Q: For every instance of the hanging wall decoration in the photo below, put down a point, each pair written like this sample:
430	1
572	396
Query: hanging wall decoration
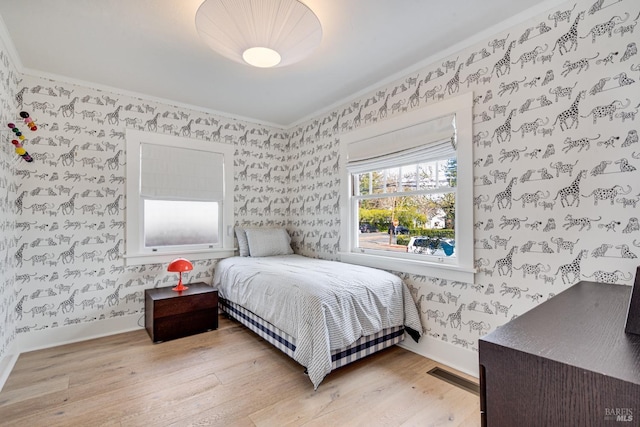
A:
21	138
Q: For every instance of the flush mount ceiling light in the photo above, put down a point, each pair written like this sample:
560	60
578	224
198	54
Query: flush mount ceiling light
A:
262	33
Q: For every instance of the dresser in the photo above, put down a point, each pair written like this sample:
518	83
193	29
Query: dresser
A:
566	362
170	314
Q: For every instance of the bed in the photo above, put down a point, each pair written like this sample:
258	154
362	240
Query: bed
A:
323	314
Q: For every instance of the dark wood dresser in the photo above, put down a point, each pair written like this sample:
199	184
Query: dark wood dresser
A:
170	314
567	362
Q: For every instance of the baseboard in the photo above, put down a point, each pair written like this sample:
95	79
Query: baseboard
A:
46	338
7	363
443	352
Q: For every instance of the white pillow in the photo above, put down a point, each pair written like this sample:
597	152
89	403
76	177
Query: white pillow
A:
243	244
268	241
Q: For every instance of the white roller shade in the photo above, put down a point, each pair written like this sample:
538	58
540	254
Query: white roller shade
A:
180	173
418	135
434	139
435	151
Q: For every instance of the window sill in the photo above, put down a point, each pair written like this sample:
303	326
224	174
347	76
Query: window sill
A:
423	268
159	258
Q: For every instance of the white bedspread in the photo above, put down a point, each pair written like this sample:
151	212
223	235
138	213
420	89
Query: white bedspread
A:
325	305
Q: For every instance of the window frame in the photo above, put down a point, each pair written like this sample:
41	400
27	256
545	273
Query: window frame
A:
461	268
135	251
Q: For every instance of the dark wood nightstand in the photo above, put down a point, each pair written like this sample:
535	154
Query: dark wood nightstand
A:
170	314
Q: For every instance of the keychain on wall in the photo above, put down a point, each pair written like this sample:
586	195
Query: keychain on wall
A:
18	142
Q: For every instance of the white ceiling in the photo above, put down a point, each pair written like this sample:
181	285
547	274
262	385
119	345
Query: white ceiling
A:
151	47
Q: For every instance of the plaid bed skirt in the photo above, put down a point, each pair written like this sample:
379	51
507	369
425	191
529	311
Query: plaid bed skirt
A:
287	344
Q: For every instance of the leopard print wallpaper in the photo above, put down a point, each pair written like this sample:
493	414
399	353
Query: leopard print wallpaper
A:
65	242
9	236
555	149
71	201
556	160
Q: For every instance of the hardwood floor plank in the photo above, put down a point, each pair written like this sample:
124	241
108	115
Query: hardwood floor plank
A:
227	377
342	389
389	402
456	408
34	391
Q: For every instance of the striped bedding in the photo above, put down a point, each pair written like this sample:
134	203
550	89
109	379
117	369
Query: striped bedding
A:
324	306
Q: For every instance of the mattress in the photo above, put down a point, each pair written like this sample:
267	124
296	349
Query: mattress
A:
323	306
363	347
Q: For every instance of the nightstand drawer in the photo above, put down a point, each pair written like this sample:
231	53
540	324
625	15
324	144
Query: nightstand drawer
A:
185	304
194	322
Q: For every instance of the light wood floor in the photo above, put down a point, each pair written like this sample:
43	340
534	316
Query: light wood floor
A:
227	377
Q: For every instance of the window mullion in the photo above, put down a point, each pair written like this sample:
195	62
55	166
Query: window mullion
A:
385	177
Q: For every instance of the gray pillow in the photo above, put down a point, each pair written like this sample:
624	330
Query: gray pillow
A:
268	242
243	244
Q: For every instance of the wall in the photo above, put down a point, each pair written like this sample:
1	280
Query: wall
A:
9	79
556	156
71	205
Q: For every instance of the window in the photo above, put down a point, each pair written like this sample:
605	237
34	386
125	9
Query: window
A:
414	197
404	181
179	198
171	223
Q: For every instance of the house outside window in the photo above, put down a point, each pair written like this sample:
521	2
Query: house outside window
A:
179	198
408	191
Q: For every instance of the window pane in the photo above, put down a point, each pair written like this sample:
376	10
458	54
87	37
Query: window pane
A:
420	224
447	173
409	178
364	180
393	176
427	175
422	176
172	223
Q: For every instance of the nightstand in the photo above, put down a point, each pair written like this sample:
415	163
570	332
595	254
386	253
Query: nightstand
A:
170	314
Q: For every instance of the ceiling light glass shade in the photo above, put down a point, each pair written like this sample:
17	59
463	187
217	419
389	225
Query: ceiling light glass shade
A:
235	28
262	57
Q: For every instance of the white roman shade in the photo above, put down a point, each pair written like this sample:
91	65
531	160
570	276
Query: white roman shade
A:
431	140
173	173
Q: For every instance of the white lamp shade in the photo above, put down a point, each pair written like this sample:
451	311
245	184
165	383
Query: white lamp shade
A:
231	27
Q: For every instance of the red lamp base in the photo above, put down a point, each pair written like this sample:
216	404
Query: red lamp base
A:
180	287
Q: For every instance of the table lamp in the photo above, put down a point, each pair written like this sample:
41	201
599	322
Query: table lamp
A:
178	266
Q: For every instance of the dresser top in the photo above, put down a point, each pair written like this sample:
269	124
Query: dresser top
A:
167	292
582	327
